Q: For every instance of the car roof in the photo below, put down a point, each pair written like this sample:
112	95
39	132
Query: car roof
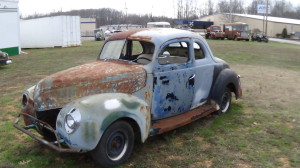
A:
154	35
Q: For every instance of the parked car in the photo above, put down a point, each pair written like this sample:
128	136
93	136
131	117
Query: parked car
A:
99	35
237	31
144	82
4	58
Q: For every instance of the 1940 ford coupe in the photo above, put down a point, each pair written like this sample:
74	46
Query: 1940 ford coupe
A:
144	82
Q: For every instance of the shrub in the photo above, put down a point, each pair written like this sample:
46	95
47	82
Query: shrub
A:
284	33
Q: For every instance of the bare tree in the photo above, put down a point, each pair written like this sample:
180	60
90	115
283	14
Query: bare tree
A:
186	9
231	6
210	6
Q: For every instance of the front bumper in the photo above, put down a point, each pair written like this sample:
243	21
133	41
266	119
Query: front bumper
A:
56	145
5	62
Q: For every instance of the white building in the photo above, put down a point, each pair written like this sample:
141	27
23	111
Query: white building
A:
57	31
87	27
9	27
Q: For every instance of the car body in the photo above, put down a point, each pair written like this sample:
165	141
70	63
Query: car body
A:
237	31
4	58
145	82
214	32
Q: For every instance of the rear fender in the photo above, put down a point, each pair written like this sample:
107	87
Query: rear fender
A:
226	78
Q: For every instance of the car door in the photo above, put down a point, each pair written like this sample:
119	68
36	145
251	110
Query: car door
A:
204	67
174	79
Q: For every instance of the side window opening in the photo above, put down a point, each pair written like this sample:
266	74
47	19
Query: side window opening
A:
144	52
174	53
199	54
137	51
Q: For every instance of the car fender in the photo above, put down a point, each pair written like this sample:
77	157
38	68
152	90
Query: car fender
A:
226	78
98	112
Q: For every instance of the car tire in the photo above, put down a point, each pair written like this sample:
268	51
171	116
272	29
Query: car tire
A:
225	101
115	145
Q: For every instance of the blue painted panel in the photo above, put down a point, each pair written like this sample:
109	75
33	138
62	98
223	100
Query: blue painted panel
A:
173	88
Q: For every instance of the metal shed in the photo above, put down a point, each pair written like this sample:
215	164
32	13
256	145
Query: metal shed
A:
10	27
57	31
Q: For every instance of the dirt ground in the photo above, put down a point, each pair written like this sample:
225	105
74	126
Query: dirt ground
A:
269	87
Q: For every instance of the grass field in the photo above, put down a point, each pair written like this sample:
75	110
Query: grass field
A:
261	130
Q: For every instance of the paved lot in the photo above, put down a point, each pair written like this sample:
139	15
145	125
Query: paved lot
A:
285	41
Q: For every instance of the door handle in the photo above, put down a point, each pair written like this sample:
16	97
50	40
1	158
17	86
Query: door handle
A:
192	77
191	81
165	80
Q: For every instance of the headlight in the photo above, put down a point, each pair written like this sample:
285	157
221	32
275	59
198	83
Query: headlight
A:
72	120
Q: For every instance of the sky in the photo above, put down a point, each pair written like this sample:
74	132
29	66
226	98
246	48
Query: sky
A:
156	7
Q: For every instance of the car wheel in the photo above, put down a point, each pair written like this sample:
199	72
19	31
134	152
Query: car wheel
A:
225	102
115	145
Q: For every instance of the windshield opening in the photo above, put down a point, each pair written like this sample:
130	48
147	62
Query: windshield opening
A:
112	49
240	27
129	50
216	28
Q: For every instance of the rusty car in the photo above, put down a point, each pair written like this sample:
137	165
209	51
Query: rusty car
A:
144	82
237	31
214	32
4	58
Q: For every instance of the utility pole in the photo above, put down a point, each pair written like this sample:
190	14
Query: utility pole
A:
267	18
126	19
230	8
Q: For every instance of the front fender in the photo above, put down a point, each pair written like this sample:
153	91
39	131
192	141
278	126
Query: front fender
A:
226	78
98	112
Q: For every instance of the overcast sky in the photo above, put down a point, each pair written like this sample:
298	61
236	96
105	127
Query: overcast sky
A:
156	7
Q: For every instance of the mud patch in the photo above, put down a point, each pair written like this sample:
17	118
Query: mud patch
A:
285	162
206	163
179	141
203	143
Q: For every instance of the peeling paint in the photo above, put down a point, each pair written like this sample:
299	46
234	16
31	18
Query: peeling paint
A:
112	104
97	77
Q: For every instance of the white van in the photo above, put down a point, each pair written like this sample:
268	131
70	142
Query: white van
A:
158	25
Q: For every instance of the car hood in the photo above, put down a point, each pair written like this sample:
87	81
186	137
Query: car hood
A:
100	76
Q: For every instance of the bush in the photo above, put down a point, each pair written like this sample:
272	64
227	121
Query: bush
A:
284	33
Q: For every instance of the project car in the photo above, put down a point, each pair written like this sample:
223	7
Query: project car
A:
144	82
4	58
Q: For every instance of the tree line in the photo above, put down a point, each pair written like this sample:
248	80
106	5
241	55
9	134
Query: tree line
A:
183	10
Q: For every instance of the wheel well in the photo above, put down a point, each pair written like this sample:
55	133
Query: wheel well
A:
135	128
232	88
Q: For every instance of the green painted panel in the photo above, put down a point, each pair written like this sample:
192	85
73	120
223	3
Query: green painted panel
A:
11	51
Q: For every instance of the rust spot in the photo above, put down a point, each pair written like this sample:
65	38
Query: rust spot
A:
88	79
171	123
144	38
147	95
125	34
